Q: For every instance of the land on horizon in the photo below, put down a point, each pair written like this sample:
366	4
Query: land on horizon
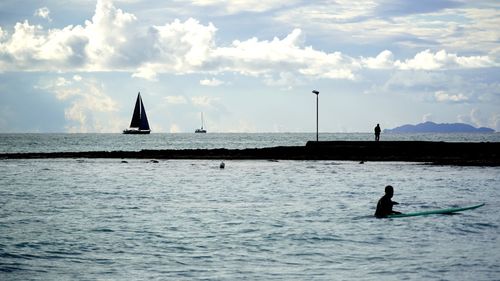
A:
431	127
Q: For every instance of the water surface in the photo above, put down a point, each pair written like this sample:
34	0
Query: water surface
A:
10	143
101	219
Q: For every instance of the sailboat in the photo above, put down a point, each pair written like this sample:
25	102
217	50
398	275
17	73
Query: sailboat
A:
139	123
201	130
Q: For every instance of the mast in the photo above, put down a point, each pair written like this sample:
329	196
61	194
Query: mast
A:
202	120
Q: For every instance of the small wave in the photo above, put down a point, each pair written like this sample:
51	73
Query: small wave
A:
128	208
27	245
102	230
9	269
481	225
15	267
248	230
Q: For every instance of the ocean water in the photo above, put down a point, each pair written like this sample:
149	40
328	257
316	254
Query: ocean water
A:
114	219
10	143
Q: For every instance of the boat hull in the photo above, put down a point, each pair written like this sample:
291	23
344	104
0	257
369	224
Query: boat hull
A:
136	132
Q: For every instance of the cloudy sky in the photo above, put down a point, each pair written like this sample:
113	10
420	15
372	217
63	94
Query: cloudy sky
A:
248	65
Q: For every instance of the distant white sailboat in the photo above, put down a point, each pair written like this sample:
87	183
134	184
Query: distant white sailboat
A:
139	123
201	130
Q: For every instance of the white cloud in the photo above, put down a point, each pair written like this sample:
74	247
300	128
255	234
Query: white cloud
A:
442	96
477	118
426	60
406	23
88	105
383	60
114	40
203	101
44	13
326	13
254	57
284	80
211	82
29	48
175	100
148	71
238	6
185	45
427	117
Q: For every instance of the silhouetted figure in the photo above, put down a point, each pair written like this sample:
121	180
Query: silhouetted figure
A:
222	165
377	132
384	205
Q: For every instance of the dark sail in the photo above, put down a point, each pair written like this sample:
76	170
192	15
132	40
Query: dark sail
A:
144	119
136	117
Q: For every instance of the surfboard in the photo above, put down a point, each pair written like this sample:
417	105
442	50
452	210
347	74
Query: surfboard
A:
432	212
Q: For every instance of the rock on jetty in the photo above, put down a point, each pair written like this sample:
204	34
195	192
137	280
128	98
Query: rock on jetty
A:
445	153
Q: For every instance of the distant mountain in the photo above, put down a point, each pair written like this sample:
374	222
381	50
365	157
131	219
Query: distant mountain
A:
431	127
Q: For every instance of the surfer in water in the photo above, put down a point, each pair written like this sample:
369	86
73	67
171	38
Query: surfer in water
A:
384	205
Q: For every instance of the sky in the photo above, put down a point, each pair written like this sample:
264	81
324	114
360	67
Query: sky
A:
76	66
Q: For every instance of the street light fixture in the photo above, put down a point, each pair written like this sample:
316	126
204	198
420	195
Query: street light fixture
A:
317	109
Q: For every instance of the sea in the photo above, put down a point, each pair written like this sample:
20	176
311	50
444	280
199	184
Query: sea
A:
152	219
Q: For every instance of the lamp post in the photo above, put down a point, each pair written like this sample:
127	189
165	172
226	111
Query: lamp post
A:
317	109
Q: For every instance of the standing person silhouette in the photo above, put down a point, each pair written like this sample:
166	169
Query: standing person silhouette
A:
377	132
384	205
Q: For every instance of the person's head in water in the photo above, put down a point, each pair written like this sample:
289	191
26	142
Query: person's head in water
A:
389	191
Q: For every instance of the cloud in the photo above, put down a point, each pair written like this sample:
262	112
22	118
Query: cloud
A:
255	58
235	7
87	105
44	13
397	8
450	25
427	117
426	60
211	82
442	96
101	44
175	99
326	13
284	80
178	47
30	49
384	60
204	101
477	118
114	40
